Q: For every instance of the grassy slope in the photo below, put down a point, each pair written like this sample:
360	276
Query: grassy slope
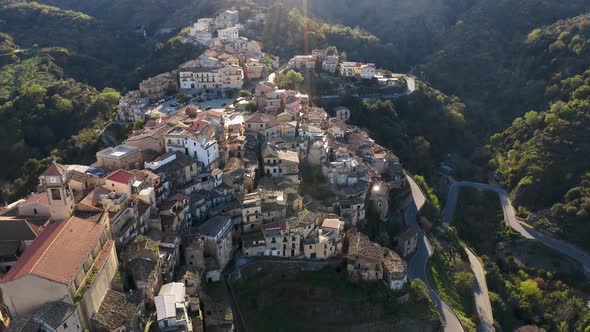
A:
463	306
298	303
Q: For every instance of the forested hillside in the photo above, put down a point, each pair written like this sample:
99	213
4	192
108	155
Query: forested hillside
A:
479	50
92	50
288	32
408	28
96	53
40	110
45	109
486	59
155	16
476	49
544	157
501	58
420	128
560	50
7	49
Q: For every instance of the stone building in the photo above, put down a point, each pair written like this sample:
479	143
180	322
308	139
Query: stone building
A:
371	262
157	87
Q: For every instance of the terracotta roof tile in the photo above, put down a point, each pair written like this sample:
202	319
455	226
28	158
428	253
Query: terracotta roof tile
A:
55	169
59	250
258	118
37	198
16	229
121	176
179	197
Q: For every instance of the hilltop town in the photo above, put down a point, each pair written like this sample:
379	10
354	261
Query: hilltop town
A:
226	169
281	165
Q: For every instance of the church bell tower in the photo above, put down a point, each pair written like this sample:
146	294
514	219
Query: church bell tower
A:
55	182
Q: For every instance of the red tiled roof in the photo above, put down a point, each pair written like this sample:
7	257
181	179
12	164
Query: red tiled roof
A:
282	225
257	118
198	126
37	198
121	176
179	197
54	170
60	249
94	196
17	229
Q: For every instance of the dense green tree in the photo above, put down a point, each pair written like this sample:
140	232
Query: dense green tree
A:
245	93
290	80
251	107
40	111
542	158
464	282
182	98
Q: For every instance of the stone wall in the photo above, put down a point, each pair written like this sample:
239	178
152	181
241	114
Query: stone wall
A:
282	266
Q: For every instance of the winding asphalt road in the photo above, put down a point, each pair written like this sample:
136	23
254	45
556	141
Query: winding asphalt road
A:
483	306
510	217
418	264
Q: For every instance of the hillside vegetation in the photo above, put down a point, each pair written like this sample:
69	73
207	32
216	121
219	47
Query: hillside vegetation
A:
560	50
326	300
155	16
89	49
40	110
486	60
420	128
288	32
46	113
407	29
7	49
97	54
543	156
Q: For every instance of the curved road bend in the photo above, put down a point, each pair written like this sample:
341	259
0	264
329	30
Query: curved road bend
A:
418	264
483	306
510	217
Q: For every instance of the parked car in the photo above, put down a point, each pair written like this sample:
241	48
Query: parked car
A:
207	108
161	101
223	105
